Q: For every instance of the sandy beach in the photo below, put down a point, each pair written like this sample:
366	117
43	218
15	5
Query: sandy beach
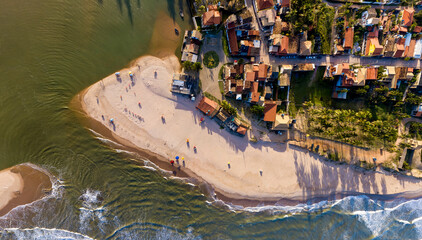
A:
235	167
21	184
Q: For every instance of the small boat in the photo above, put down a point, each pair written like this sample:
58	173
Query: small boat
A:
176	31
181	13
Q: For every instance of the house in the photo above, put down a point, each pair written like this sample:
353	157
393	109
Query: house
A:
285	74
417	112
390	79
184	84
411	49
399	48
187	56
360	74
389	47
264	71
264	4
282	122
208	106
232	42
270	111
254	95
305	46
418	49
267	17
371	73
348	38
407	18
373	48
279	45
268	92
367	17
211	17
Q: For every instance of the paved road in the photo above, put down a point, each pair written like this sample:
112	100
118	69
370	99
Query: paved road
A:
377	6
351	59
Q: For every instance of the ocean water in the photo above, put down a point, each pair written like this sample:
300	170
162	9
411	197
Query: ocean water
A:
52	49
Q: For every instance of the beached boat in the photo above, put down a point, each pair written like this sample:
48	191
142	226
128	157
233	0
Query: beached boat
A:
181	14
176	31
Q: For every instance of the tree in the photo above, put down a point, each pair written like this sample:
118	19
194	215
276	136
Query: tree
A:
257	110
229	108
197	66
361	91
187	65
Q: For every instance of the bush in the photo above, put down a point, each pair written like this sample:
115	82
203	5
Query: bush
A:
257	110
211	59
229	108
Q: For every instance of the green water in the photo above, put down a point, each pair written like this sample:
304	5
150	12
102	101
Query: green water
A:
52	49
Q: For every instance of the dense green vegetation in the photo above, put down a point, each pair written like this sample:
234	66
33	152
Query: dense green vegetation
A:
415	130
361	128
211	59
190	66
229	108
303	89
315	17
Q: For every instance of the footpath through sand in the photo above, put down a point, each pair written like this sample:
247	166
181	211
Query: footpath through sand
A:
287	173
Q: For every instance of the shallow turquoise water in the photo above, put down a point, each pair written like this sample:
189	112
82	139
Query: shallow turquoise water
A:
52	49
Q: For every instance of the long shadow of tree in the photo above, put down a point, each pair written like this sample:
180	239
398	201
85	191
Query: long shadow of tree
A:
171	9
128	7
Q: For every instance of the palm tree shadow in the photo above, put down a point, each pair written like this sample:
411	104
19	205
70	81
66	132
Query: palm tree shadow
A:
171	9
128	7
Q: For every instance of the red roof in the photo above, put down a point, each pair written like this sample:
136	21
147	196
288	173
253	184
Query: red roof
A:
241	130
212	17
234	48
284	46
264	4
399	51
348	38
417	29
285	3
208	106
371	73
411	49
251	76
262	72
270	111
408	17
255	94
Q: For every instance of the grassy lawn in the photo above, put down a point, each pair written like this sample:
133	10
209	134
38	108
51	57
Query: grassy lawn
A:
221	86
319	92
211	59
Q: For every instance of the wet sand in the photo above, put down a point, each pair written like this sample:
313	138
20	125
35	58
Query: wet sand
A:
288	174
22	184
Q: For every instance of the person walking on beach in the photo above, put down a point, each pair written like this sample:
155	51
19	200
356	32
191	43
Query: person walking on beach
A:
172	162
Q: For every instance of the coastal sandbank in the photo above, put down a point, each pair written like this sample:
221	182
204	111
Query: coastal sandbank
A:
232	165
21	184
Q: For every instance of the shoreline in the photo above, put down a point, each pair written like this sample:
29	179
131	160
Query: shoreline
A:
30	184
302	194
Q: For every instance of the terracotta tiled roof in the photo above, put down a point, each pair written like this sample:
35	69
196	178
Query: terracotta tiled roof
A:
251	76
417	29
208	106
212	17
241	130
284	46
371	73
411	50
270	110
408	17
264	4
255	94
262	72
234	48
348	38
